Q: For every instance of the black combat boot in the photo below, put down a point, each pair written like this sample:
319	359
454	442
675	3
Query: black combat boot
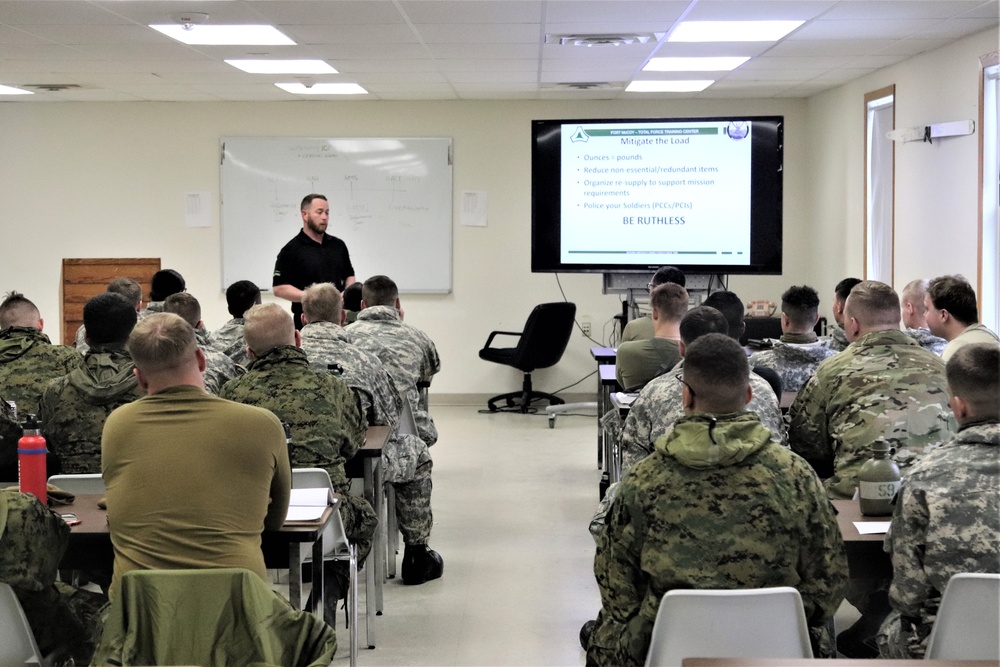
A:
420	564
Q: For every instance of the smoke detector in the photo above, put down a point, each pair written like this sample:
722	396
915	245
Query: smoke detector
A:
189	20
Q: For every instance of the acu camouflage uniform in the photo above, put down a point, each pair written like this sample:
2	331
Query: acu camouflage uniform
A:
946	521
837	338
717	505
653	414
927	340
884	386
219	368
229	340
326	423
406	352
32	542
793	362
405	459
74	407
28	361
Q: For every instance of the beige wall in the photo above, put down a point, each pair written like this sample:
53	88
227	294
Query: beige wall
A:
99	180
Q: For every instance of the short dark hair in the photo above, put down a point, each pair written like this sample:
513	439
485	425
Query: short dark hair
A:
669	274
108	318
955	294
731	307
670	300
801	305
185	305
873	304
18	311
308	200
241	296
352	297
379	291
128	288
701	321
974	375
844	288
716	368
165	283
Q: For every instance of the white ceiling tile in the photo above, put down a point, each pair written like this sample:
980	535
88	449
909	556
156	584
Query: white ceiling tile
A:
99	34
844	74
911	47
635	52
758	10
499	33
872	62
147	52
955	28
40	52
609	76
49	12
145	12
378	33
602	11
483	11
337	53
400	66
464	65
497	77
814	63
18	36
400	78
985	10
566	65
411	87
342	12
854	29
773	75
829	47
705	49
901	9
484	51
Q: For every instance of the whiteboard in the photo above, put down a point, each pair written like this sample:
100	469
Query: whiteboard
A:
390	201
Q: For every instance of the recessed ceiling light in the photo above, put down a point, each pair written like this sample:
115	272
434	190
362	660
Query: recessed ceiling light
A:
224	35
723	64
692	86
10	90
732	31
323	88
282	66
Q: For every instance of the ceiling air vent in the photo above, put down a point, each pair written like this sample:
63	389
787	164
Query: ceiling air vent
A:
586	85
615	39
52	87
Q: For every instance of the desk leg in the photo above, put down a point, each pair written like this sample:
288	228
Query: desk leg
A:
602	407
373	584
318	585
295	574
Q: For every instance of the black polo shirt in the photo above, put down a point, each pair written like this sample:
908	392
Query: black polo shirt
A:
303	262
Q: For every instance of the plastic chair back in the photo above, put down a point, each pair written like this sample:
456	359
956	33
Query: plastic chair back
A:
968	621
84	483
334	539
17	645
749	623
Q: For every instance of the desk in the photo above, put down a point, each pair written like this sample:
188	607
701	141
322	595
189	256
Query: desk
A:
90	548
866	559
816	662
609	385
786	399
604	356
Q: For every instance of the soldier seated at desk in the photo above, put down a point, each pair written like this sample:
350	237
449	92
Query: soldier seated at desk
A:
639	361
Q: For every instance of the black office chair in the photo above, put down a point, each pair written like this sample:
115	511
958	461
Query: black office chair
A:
541	344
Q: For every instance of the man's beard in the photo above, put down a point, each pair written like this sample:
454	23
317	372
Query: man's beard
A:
316	227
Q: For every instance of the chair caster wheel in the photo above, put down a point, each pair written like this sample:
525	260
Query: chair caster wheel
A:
552	421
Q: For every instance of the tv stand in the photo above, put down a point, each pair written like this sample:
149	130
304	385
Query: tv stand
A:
633	285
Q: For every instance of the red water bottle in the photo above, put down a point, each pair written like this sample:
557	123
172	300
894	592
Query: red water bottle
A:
31	460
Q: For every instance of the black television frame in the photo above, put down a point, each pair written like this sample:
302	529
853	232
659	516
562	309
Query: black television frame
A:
766	205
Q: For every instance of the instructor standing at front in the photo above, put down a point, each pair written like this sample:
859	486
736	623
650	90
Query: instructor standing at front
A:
313	256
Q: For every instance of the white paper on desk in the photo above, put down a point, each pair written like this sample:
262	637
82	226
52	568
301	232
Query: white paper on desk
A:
624	398
872	527
300	513
317	497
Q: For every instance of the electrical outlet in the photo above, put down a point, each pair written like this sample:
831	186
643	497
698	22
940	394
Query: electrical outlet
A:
585	325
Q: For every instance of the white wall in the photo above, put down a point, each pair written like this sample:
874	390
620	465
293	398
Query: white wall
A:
108	180
936	185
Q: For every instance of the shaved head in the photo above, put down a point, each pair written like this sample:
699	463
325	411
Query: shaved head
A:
268	326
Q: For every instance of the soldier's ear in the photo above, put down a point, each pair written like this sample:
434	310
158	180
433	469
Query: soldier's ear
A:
343	316
141	380
298	338
960	407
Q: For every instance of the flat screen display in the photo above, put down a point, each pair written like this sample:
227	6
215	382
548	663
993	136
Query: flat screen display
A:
631	195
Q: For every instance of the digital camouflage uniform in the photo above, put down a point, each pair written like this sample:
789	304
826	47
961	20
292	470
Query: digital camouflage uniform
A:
219	368
406	352
75	407
794	363
28	361
884	386
837	338
927	340
725	508
405	459
32	542
229	340
325	420
653	414
946	521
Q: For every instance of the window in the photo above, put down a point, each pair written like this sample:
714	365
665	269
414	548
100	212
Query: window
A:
879	165
989	224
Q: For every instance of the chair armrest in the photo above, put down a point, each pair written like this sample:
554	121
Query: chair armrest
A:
494	334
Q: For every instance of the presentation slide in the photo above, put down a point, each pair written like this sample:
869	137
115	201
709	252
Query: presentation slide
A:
656	193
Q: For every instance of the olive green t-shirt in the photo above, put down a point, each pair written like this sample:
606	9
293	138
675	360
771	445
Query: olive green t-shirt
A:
640	361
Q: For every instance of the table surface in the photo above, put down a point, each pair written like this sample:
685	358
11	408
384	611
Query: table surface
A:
608	374
815	662
604	355
849	511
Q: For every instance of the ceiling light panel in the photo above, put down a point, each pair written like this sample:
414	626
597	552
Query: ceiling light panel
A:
692	86
10	90
282	66
323	89
225	35
732	31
